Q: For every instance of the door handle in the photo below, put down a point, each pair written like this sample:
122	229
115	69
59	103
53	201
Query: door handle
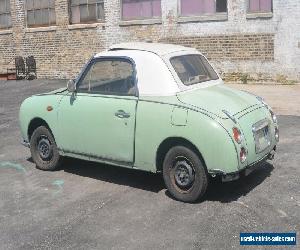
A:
122	114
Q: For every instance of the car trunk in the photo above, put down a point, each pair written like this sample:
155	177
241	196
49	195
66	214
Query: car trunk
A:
258	130
217	98
244	107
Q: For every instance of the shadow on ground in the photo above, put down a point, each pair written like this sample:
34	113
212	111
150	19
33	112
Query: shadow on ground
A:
232	191
217	191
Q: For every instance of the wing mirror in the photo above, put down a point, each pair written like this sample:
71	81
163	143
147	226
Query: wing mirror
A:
71	86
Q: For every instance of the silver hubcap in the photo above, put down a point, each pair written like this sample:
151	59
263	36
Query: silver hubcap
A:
44	148
184	174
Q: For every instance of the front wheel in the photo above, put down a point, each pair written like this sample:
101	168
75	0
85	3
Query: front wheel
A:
184	174
43	149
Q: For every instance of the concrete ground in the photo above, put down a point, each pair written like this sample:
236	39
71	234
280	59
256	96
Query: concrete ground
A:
284	99
94	206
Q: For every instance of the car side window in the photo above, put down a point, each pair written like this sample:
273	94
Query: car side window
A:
109	76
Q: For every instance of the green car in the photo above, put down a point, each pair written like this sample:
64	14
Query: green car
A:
154	107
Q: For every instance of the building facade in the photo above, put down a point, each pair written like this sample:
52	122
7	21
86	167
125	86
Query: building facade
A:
252	39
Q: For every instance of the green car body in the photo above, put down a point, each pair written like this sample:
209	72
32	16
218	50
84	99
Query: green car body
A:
88	125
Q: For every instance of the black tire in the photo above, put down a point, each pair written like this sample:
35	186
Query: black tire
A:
43	149
184	174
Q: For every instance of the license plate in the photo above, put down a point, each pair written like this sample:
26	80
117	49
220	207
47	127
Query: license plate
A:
261	136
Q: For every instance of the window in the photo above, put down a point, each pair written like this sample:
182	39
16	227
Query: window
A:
200	7
193	69
115	76
87	11
5	18
140	9
40	13
260	6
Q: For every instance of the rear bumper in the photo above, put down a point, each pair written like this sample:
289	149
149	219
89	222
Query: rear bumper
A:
226	177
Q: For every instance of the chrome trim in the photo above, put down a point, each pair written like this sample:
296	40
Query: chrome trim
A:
229	115
255	128
260	124
25	143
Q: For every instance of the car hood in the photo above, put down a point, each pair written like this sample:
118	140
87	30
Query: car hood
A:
217	98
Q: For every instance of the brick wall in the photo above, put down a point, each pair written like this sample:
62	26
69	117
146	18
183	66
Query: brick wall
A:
263	48
230	47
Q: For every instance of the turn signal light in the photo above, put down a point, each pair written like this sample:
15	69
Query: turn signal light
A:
237	135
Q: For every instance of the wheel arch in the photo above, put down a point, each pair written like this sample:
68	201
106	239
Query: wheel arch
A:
170	142
35	123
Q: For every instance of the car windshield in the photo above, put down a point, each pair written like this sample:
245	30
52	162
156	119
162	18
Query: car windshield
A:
192	69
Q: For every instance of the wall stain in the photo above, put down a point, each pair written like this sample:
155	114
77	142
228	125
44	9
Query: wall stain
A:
8	164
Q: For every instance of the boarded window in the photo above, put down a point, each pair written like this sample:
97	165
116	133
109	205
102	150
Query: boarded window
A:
87	11
40	13
5	17
260	6
200	7
141	9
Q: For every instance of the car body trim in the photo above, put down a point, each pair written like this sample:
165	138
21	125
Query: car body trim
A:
25	143
98	158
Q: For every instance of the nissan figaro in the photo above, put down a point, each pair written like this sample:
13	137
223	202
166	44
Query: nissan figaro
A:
154	107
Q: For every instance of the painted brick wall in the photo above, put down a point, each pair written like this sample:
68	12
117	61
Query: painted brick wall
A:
264	48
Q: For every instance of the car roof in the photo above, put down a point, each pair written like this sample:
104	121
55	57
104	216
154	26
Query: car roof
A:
157	48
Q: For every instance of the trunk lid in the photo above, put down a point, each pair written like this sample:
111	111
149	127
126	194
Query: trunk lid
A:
217	98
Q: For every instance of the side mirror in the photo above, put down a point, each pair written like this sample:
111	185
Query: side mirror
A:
71	86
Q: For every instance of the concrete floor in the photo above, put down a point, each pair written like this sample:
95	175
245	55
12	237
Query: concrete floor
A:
284	99
94	206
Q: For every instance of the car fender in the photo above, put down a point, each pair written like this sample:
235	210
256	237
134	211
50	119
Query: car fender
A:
156	121
39	107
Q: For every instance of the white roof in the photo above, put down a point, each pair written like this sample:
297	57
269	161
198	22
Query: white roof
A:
157	48
153	76
154	72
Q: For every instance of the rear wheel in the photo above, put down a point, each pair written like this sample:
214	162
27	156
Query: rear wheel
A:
43	149
184	174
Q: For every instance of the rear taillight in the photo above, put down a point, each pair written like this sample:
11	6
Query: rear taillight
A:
243	155
237	135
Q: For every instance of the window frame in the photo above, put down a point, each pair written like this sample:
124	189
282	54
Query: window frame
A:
90	64
215	15
39	25
7	13
258	12
139	18
85	22
206	70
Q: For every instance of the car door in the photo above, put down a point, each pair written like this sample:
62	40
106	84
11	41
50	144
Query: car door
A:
98	120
